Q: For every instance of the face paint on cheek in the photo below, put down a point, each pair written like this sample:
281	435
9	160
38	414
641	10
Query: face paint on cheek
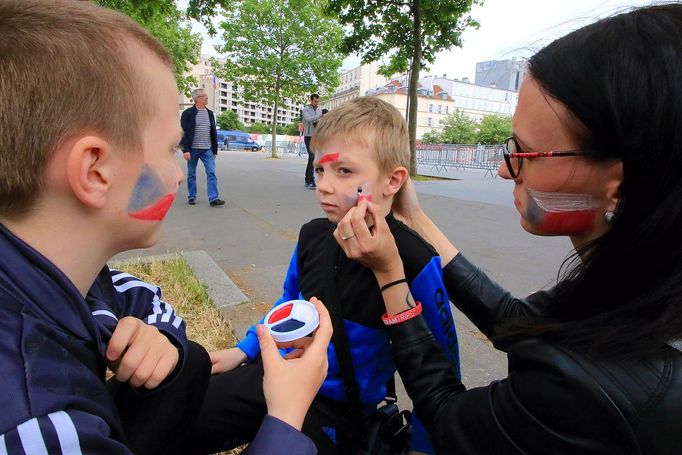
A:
560	213
150	200
352	198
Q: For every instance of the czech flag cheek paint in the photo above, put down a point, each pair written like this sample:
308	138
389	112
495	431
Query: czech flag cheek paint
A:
560	213
151	200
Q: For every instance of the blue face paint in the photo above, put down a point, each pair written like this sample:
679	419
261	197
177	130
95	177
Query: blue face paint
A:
150	199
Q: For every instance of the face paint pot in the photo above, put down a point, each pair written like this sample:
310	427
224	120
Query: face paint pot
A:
560	213
292	320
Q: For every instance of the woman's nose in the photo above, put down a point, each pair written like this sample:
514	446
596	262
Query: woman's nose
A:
503	171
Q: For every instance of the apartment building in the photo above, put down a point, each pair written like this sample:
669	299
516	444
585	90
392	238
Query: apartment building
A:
505	74
474	100
223	96
433	103
355	82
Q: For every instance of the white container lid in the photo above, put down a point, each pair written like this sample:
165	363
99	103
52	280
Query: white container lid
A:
292	320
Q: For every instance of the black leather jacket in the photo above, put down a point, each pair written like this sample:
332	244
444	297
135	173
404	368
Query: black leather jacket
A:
554	401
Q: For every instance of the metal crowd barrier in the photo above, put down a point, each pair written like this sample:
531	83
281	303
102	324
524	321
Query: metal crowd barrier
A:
287	147
442	157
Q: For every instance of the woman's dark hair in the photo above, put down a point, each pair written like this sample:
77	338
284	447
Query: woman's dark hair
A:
621	78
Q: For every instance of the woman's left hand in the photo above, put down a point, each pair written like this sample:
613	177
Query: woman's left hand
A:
373	246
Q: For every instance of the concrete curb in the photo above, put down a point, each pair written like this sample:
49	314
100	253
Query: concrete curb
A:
228	298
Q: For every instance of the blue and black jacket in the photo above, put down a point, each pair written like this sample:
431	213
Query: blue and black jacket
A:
53	349
359	296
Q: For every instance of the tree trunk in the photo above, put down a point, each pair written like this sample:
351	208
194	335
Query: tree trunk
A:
414	79
273	154
274	128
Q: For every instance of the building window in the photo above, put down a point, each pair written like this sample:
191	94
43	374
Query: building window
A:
430	109
446	110
428	121
440	109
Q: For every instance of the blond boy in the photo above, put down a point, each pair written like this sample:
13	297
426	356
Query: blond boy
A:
361	150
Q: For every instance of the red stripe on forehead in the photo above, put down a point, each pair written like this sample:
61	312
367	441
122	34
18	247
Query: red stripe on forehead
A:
329	158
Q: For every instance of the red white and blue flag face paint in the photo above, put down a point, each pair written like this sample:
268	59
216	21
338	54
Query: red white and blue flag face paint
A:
560	213
151	197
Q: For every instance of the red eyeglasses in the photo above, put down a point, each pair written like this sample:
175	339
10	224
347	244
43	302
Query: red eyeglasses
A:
513	157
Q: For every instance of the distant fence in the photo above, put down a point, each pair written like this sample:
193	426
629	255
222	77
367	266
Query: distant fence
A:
288	147
442	157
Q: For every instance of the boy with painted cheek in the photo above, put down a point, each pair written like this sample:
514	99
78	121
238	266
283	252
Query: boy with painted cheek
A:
362	151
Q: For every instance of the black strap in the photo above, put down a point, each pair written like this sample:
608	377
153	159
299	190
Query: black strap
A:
340	337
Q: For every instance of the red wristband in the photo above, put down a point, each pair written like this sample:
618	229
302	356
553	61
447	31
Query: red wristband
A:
402	317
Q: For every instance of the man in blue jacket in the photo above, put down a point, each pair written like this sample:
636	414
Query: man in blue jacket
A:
86	173
200	142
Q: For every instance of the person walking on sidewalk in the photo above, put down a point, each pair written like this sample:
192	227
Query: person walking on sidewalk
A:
200	142
310	116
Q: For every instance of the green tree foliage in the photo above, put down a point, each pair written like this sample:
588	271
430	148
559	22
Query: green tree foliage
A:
291	129
170	25
229	120
494	129
279	49
410	32
458	128
260	128
432	137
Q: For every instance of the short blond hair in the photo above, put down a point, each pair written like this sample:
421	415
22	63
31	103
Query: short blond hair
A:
372	122
66	67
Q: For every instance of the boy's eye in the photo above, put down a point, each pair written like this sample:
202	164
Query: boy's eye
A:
318	170
345	171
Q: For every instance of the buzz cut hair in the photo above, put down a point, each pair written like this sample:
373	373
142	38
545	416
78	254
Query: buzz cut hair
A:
71	65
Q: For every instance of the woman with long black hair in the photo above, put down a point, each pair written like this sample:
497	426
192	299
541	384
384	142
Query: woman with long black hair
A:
594	363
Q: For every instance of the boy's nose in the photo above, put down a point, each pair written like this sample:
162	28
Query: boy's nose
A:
323	185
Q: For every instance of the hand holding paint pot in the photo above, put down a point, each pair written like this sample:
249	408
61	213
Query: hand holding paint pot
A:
291	384
292	320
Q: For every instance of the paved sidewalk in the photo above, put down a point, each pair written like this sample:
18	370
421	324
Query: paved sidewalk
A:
252	237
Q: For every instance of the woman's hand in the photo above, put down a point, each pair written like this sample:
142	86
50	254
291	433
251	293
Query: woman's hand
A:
290	385
373	247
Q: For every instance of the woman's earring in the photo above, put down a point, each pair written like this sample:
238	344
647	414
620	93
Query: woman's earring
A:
609	217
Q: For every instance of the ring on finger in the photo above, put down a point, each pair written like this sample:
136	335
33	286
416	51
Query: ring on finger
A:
349	237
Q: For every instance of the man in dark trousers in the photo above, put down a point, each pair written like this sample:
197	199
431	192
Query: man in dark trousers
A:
200	142
310	115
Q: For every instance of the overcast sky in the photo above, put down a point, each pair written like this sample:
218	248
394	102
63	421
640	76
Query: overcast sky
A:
508	28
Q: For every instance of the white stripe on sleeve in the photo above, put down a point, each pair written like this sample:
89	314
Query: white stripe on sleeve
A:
3	447
32	438
136	284
156	302
104	313
119	276
167	313
66	433
177	321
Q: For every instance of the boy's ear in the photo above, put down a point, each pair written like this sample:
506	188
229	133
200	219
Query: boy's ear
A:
396	180
88	170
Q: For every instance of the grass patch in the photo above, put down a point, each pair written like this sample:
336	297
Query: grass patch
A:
189	298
